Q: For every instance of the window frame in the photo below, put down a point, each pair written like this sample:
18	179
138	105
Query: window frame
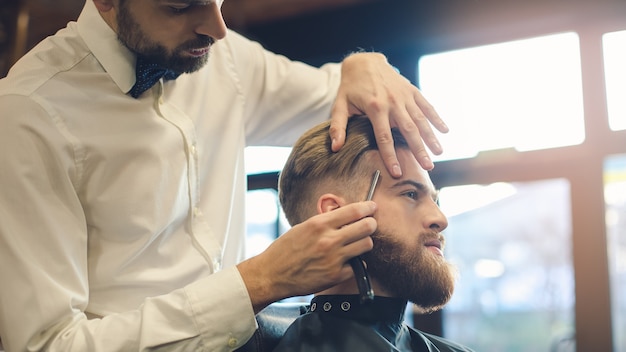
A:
581	165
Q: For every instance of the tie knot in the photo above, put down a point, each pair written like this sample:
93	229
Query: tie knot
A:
147	74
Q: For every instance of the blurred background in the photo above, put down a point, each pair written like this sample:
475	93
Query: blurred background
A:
533	177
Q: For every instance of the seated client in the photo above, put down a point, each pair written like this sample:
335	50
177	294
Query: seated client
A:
407	262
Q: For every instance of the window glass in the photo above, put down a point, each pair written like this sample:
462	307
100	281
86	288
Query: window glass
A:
615	198
615	76
524	94
264	218
265	159
512	245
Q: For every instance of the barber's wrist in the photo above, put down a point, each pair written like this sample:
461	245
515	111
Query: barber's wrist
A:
369	55
260	289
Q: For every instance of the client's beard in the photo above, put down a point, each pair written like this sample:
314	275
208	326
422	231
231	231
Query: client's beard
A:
413	273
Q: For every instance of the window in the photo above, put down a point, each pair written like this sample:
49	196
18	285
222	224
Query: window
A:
529	307
264	217
615	198
524	94
615	76
263	223
512	245
265	159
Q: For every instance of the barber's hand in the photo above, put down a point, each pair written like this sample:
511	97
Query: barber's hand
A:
311	256
369	85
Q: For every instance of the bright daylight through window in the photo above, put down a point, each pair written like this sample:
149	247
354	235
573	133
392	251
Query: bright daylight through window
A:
496	96
615	76
264	218
615	198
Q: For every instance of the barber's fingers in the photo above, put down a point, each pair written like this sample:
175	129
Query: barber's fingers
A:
415	128
426	110
347	214
338	122
356	238
415	121
384	139
311	256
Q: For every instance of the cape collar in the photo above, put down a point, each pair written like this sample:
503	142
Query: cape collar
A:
382	309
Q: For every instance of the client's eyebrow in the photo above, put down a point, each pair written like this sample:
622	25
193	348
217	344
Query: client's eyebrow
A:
420	187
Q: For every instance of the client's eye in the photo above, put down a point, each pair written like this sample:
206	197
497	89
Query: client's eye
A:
411	194
179	9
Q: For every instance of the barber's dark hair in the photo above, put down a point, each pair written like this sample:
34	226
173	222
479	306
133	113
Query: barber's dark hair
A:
313	168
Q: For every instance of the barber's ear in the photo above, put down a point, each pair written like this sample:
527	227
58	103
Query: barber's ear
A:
329	202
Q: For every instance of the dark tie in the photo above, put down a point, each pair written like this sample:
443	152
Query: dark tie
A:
148	73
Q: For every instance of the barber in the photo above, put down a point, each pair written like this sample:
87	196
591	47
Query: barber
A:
122	179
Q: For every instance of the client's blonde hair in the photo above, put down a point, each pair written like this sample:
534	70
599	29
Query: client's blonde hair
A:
313	168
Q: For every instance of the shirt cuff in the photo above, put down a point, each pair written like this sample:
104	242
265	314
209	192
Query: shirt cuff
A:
222	310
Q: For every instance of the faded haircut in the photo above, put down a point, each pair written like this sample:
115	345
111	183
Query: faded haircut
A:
313	169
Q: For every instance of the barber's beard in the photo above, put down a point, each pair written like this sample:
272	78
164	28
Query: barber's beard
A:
134	38
417	275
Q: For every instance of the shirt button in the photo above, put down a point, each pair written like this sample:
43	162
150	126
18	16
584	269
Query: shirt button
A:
193	149
196	211
232	342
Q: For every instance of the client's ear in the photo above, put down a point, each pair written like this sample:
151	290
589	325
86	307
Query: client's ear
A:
329	202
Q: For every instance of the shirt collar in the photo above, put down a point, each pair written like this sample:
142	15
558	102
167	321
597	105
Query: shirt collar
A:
116	59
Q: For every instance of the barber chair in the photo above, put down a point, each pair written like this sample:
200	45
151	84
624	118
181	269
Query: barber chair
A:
273	321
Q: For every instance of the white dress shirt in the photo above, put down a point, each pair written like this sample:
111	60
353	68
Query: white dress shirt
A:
121	219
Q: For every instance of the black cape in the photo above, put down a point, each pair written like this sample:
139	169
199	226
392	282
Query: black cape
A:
336	323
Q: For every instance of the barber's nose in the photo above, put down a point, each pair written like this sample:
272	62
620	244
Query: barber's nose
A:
211	23
435	218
